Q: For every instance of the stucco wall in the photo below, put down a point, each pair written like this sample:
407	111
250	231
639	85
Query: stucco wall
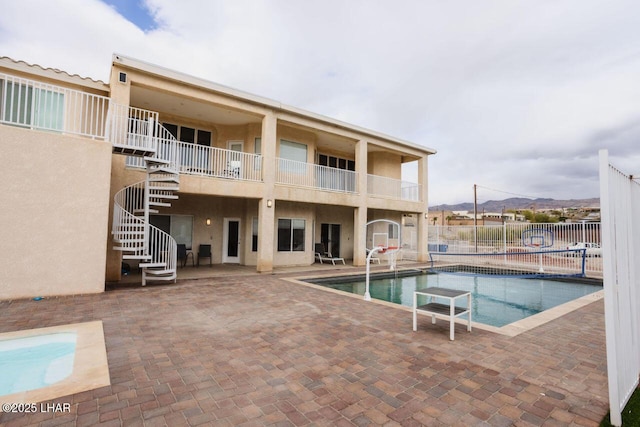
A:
54	213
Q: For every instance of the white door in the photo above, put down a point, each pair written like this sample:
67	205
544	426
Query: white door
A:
231	241
234	161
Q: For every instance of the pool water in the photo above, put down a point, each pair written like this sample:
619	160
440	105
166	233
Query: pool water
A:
35	362
496	301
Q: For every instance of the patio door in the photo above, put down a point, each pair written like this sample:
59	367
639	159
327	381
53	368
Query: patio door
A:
231	241
234	157
330	238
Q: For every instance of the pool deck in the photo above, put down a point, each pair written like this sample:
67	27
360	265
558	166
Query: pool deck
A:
247	349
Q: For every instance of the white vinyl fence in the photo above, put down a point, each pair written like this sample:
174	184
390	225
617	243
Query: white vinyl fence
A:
620	210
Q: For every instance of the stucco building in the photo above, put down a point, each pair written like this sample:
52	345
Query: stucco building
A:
126	170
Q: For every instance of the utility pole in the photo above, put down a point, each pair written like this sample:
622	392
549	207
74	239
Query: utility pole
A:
475	216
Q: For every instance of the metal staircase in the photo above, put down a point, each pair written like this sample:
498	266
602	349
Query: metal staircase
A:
142	136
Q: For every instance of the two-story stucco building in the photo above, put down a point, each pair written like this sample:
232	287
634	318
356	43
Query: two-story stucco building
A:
155	160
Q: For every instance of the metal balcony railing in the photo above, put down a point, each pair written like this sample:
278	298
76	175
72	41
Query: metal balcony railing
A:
36	105
382	186
310	175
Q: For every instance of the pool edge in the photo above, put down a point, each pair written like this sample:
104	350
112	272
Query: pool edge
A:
510	330
90	365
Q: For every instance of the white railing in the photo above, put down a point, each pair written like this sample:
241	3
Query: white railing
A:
194	159
515	238
392	188
302	174
163	249
132	127
36	105
620	204
129	230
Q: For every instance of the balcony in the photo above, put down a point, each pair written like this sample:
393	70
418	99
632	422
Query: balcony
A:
381	186
35	105
206	161
309	175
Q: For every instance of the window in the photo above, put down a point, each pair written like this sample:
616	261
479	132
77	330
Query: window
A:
291	235
257	149
180	227
393	231
254	235
204	138
293	151
336	162
28	106
187	134
192	157
334	177
297	153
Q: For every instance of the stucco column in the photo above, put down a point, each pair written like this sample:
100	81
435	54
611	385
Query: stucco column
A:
360	213
423	217
120	94
266	213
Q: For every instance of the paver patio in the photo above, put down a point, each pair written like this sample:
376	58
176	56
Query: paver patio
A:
256	350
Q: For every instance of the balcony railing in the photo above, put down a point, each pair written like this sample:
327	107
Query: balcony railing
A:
194	159
393	188
131	127
36	105
301	174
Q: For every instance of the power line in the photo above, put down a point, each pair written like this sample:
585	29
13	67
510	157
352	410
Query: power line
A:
507	192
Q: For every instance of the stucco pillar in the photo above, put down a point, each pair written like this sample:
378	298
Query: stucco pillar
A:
360	213
266	213
423	217
120	93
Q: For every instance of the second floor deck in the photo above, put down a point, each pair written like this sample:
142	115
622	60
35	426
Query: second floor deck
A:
45	107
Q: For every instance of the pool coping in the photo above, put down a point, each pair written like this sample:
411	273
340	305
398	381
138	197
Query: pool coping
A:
510	330
90	366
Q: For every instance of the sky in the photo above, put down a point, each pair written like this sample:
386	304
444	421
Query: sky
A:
516	96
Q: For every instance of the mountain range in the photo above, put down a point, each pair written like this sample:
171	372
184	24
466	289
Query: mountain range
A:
520	203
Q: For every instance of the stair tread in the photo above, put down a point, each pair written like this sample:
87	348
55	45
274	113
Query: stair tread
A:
140	257
153	264
164	196
152	159
160	272
133	150
172	188
156	278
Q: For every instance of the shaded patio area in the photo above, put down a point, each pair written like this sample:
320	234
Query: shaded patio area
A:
249	349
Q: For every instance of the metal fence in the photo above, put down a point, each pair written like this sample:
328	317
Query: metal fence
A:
620	206
36	105
510	238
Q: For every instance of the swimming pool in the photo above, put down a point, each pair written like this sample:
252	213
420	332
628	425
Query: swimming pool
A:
497	301
35	362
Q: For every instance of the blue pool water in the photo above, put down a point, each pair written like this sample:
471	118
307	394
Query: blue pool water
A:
34	362
496	301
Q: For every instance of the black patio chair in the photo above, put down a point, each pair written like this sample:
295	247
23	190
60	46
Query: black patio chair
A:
184	254
204	251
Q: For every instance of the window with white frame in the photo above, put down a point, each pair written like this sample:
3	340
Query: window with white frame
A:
24	105
291	235
193	156
293	157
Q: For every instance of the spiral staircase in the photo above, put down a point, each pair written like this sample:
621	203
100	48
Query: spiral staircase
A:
141	136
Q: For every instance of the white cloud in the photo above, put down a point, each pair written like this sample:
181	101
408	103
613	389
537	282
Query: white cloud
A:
516	95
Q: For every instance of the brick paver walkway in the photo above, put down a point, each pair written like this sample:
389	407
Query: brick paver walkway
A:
258	350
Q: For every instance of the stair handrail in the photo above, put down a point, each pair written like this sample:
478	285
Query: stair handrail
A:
126	202
143	130
167	147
